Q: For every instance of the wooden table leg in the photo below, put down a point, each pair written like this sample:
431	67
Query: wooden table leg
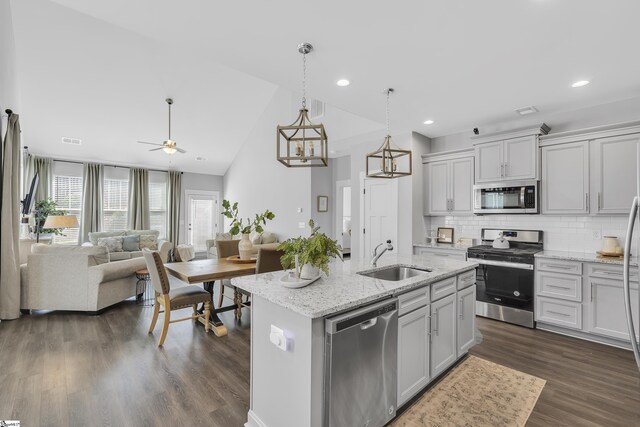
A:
215	323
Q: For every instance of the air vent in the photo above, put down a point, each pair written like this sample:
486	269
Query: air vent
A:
201	159
72	141
316	109
527	110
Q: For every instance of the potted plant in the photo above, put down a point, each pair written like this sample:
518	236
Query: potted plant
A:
42	209
238	226
309	255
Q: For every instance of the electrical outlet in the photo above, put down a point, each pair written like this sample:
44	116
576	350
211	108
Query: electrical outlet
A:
597	235
301	225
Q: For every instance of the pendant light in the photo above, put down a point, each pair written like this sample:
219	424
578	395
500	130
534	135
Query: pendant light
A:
303	143
389	161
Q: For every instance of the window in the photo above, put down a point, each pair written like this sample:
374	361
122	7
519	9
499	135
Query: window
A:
67	192
158	202
116	204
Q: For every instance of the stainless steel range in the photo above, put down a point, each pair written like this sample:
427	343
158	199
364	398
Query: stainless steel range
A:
505	277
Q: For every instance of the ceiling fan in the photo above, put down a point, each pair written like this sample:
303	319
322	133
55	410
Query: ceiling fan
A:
169	146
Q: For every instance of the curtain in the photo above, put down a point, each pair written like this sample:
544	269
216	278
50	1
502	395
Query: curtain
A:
174	192
9	217
139	199
93	177
43	166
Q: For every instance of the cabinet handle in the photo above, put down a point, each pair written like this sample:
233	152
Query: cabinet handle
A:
561	267
505	169
586	198
461	315
502	169
598	201
452	204
435	328
591	293
559	287
558	313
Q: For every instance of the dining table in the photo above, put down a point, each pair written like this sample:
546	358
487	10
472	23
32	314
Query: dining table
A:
207	271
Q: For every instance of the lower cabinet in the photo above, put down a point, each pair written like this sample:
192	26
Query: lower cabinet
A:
607	315
466	316
443	334
413	353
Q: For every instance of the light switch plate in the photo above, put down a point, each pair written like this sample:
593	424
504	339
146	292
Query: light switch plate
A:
301	225
278	338
299	210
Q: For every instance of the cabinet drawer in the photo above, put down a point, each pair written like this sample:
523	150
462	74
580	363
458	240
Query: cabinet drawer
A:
443	288
610	271
413	300
557	312
557	285
461	255
559	266
466	279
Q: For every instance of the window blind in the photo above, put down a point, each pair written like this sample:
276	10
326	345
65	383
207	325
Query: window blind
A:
67	192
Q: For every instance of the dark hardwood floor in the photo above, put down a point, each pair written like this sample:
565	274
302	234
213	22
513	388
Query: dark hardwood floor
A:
59	369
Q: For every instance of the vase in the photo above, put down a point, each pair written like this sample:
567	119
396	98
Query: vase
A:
245	247
309	272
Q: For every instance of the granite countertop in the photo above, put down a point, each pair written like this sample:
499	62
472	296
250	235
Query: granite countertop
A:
584	257
344	289
452	246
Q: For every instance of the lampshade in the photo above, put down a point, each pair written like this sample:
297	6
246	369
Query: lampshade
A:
61	221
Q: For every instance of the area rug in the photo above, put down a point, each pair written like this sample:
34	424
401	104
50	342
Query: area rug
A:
476	393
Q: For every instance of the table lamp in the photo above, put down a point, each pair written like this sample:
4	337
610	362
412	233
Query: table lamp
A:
60	221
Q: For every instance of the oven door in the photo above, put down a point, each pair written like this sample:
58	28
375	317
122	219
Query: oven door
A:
504	283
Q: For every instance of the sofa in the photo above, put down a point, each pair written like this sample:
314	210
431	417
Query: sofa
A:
76	278
259	240
163	246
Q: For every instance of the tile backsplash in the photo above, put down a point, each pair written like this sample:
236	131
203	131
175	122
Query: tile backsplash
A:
561	233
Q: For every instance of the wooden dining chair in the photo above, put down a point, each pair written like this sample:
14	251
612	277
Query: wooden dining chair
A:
173	299
269	260
225	249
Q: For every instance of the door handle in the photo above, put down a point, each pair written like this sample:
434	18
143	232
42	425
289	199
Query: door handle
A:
368	324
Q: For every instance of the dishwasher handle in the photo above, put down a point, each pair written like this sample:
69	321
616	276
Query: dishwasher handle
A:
363	317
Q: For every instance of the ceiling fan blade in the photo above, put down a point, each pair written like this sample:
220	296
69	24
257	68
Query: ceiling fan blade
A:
180	150
156	149
148	143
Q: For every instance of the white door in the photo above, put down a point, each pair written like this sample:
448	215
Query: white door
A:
565	178
461	183
489	162
343	215
201	217
466	319
413	353
520	158
380	213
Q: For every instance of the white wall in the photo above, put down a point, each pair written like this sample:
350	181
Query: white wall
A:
257	181
9	94
322	184
420	145
197	181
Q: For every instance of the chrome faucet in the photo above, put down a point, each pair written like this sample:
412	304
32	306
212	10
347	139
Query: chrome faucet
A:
376	255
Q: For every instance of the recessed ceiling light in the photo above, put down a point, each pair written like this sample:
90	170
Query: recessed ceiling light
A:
580	83
429	122
343	82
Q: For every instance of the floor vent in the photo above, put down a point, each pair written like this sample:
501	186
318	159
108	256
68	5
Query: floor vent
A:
72	141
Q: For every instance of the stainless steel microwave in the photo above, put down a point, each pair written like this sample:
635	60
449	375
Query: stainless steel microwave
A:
515	197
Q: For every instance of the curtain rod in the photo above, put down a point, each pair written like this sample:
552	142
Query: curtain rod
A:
111	166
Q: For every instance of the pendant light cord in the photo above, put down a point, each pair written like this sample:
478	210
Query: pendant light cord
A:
388	93
169	121
304	81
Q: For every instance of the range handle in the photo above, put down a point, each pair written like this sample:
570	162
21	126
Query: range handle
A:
625	280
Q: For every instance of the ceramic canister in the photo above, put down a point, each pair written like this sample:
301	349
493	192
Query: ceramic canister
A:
610	244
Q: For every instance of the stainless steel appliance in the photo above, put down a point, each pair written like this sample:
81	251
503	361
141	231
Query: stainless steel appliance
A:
635	205
505	277
516	197
361	351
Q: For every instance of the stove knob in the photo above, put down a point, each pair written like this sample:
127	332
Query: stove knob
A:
516	293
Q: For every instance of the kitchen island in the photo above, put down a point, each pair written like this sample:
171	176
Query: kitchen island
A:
288	375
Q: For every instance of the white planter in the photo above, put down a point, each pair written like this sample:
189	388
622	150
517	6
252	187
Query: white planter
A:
245	247
309	272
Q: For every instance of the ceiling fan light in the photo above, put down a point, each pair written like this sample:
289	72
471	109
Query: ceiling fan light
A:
169	149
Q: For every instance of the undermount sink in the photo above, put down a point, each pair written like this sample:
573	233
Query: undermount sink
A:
395	273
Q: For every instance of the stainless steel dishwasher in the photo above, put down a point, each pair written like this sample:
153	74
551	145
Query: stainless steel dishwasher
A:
361	351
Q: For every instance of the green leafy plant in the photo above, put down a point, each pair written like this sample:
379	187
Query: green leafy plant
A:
317	250
237	223
42	209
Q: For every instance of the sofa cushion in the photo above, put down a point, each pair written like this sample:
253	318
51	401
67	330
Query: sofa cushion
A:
113	244
223	236
131	243
268	238
97	254
148	241
119	256
143	232
94	236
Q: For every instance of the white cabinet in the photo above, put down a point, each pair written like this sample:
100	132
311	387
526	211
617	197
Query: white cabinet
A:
449	187
510	159
443	334
466	334
565	178
413	353
441	252
614	173
607	314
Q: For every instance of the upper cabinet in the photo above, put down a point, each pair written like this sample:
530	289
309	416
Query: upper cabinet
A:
614	163
508	156
565	179
448	186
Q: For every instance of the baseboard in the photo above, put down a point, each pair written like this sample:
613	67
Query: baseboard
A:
253	420
584	336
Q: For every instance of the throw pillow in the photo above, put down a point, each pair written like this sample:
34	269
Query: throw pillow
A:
268	238
113	244
223	236
131	243
148	241
255	238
